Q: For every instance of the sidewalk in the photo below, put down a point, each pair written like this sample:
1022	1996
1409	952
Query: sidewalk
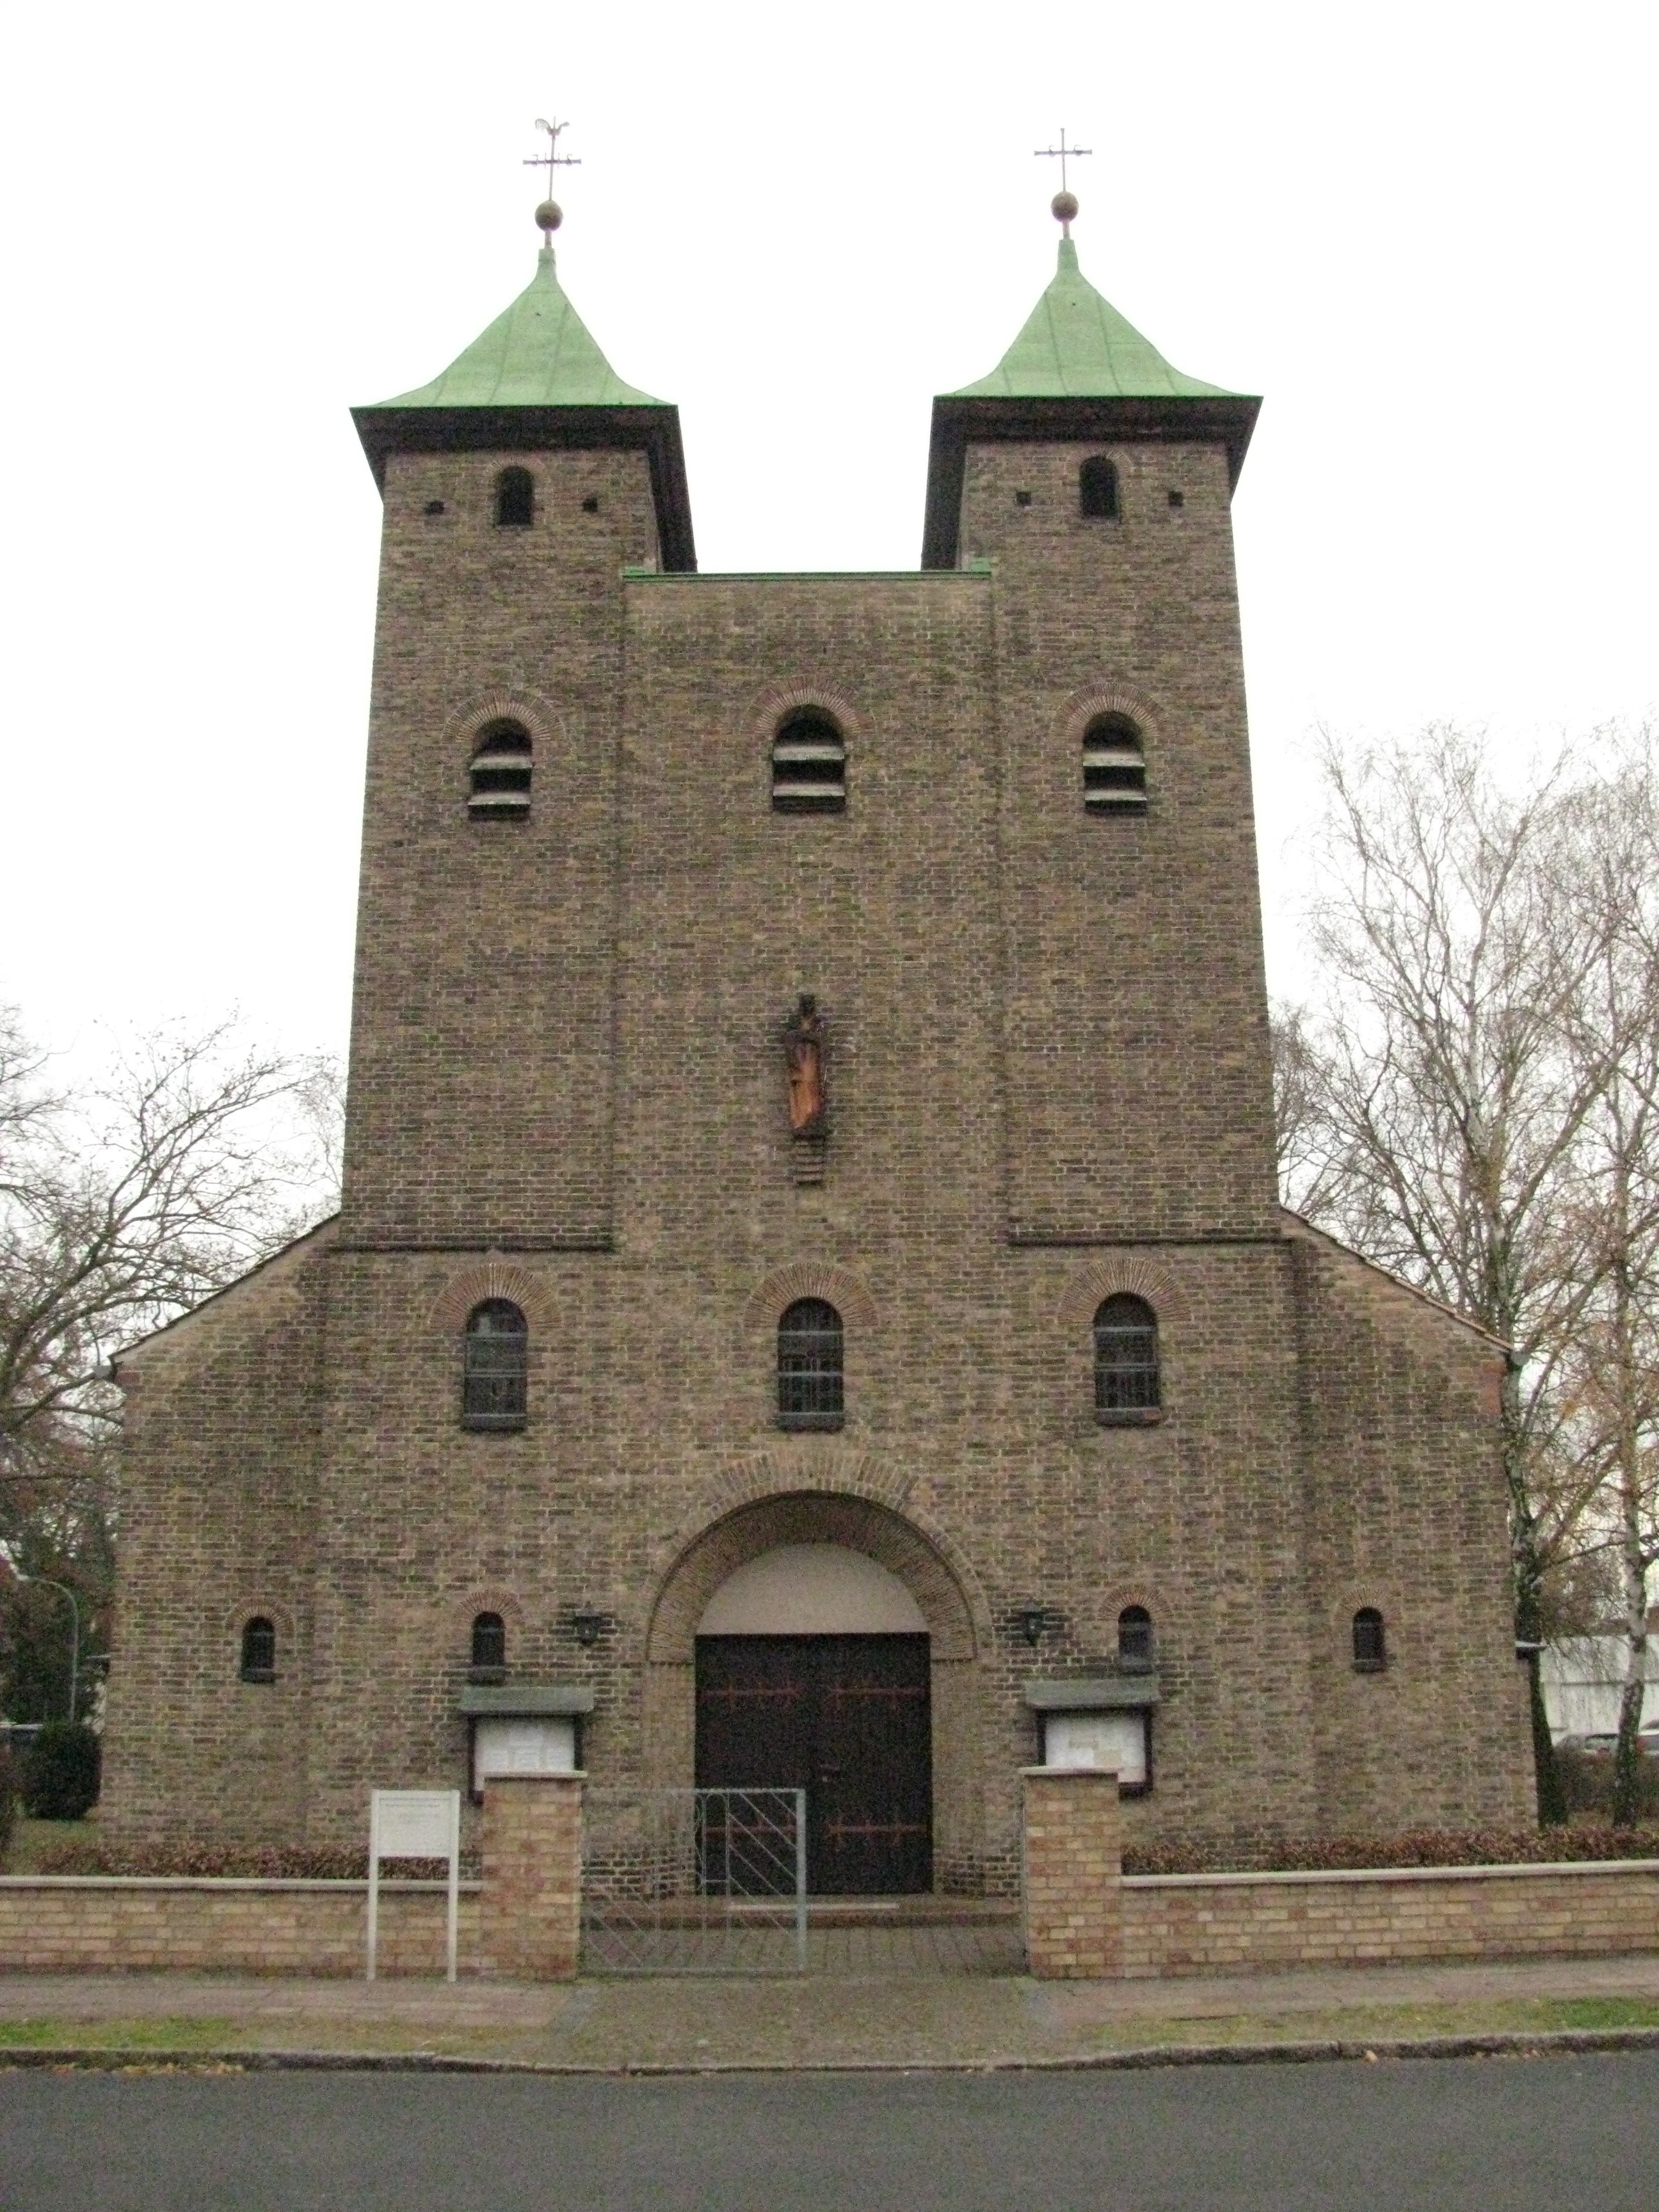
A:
914	2016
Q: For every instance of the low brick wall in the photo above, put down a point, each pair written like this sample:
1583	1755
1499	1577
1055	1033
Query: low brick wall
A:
101	1923
1238	1923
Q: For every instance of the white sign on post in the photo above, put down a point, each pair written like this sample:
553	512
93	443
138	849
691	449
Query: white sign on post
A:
414	1824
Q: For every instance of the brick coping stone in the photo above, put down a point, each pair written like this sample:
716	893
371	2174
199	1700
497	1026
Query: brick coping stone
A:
218	1882
1288	1876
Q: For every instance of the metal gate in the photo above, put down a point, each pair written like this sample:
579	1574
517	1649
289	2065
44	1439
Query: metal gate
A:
693	1881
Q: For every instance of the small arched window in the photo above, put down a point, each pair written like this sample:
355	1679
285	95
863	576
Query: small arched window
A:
1134	1640
489	1651
1370	1649
1097	488
808	765
810	1366
496	1367
499	776
1126	1359
515	499
1114	766
259	1649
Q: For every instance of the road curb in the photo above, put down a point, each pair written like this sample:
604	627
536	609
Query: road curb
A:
105	2059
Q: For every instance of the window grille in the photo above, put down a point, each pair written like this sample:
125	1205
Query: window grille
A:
500	775
1126	1357
809	765
259	1649
1370	1653
515	499
1114	766
1097	488
495	1368
810	1366
1134	1640
488	1645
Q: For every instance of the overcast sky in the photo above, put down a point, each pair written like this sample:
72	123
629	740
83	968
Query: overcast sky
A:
1424	233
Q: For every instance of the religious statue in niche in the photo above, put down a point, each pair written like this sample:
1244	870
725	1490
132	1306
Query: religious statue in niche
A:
803	1055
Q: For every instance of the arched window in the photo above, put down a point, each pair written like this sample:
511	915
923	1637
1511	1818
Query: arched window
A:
808	765
1126	1358
259	1649
499	773
1134	1640
1370	1649
515	499
810	1366
496	1367
1097	488
488	1653
1114	766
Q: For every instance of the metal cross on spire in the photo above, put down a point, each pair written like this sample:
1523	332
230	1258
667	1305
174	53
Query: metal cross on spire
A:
1065	201
550	214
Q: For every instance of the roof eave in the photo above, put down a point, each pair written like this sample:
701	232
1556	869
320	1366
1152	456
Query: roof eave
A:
654	430
1225	419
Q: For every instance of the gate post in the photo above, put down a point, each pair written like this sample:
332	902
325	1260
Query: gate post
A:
1072	1872
532	1875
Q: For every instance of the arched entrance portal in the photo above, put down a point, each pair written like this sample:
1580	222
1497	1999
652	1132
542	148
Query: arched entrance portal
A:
810	1631
812	1673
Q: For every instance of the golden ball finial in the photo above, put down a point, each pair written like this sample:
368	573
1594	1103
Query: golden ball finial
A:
549	215
1065	207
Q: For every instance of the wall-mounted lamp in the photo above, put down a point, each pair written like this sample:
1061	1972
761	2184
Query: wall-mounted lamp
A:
588	1628
1031	1621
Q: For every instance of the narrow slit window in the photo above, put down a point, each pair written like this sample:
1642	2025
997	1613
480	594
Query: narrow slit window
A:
810	1372
1126	1359
488	1648
496	1367
499	778
515	499
259	1649
1370	1649
1134	1640
1097	488
1113	766
809	765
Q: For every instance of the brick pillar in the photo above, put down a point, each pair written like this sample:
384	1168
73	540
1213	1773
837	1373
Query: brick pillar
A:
532	1875
1070	1862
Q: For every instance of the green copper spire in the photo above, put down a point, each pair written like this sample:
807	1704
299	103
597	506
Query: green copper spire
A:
539	354
1077	346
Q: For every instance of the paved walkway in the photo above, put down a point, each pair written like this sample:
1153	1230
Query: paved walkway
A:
892	2013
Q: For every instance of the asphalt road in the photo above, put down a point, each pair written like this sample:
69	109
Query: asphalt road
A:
1542	2134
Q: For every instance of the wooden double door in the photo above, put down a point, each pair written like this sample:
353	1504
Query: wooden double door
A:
845	1718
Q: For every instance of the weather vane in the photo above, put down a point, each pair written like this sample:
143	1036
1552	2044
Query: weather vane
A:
550	214
1065	200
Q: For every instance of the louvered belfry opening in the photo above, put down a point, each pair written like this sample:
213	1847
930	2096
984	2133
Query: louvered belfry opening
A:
808	765
1113	766
810	1390
495	1368
500	772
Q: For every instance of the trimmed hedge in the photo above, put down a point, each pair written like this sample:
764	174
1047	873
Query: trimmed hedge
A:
1415	1847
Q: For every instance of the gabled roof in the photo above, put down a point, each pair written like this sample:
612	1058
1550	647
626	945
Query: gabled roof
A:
539	354
534	381
1080	372
1075	345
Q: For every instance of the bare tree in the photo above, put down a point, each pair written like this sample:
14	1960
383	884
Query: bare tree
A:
1442	1109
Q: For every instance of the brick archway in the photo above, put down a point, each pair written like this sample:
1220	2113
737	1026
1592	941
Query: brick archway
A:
892	1539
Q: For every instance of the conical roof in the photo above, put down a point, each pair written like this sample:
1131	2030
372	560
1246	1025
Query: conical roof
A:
1075	345
539	354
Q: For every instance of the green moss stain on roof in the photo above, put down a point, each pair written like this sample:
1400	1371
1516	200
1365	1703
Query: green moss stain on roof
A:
1077	346
539	353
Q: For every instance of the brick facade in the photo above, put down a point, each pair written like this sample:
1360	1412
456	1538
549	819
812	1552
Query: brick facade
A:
1048	1078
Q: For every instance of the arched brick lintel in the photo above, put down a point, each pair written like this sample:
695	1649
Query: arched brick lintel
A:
493	1278
773	704
1083	706
806	1279
537	715
699	1560
1106	1277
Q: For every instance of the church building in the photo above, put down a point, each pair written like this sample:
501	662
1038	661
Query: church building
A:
810	1305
